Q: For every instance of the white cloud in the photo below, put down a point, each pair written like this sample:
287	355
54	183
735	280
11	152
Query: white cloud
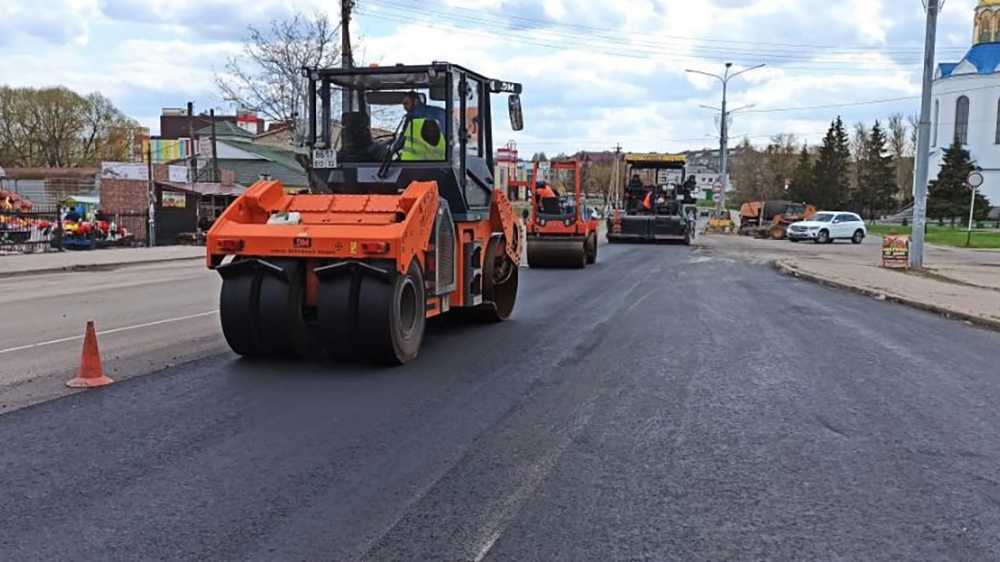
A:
54	21
595	72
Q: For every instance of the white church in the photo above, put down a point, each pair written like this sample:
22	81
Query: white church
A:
967	102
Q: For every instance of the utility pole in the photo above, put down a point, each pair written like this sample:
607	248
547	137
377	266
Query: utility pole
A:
346	55
192	156
215	149
924	141
151	194
724	140
724	124
615	183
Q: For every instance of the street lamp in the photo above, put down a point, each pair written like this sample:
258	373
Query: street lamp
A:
724	125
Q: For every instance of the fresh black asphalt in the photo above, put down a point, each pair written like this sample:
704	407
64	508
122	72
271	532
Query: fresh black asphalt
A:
667	404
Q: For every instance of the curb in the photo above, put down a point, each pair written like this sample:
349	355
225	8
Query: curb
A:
90	267
946	312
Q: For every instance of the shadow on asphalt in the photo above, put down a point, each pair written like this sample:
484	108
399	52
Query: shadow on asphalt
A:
440	329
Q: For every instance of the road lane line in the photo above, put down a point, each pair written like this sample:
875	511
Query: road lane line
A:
111	331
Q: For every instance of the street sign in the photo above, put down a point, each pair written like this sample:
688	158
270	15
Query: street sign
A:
717	198
717	186
975	180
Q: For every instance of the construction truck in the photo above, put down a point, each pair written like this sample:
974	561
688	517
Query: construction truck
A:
394	230
562	229
652	207
771	219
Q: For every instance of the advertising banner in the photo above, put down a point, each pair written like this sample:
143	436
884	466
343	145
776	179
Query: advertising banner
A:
174	200
124	171
896	251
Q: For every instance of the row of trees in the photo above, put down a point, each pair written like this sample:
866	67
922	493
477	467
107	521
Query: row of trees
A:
869	170
55	127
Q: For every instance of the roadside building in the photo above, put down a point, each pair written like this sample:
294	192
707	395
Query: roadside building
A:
966	101
175	123
179	204
249	161
705	166
510	176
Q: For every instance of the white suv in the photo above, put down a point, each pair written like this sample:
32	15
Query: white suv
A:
825	227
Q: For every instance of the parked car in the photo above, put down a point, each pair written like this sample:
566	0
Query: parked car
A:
827	226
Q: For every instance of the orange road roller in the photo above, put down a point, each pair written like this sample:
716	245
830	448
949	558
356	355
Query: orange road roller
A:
562	229
400	224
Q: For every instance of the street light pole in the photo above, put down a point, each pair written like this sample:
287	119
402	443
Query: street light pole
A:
724	125
724	141
924	141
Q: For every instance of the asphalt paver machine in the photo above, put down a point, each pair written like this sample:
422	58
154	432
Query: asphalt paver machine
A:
562	229
398	227
657	202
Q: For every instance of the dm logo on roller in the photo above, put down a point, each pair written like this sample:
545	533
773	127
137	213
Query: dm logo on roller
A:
302	242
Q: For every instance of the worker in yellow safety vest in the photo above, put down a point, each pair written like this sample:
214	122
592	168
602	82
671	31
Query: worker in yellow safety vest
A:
423	141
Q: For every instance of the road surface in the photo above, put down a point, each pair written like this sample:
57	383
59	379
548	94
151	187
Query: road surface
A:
669	404
149	317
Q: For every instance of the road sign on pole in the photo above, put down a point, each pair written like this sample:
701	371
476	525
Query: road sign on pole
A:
975	181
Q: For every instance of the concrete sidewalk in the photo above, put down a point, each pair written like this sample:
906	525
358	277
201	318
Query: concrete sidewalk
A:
963	284
54	262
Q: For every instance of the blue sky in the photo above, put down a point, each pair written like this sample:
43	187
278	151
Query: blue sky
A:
595	72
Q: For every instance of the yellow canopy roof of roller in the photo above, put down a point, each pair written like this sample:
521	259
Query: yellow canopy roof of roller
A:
655	160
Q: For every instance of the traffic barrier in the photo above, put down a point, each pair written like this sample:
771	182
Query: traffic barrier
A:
91	374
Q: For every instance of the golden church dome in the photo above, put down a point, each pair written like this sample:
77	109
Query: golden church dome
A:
987	22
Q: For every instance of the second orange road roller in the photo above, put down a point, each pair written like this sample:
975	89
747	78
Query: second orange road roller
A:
562	229
398	227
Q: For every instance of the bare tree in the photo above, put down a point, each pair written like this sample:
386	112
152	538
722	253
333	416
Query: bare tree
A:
781	156
900	148
598	179
56	127
267	76
859	145
749	171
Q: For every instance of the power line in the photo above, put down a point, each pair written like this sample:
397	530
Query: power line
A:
421	5
624	51
654	140
631	45
860	103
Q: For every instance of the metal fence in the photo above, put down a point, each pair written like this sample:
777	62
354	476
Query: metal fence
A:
132	228
45	229
25	232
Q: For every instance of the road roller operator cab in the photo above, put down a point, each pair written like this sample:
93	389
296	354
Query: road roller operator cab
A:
401	222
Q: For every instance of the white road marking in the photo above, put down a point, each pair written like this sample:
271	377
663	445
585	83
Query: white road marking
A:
112	331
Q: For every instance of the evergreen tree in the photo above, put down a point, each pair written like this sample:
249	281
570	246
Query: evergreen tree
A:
802	178
830	175
878	180
949	195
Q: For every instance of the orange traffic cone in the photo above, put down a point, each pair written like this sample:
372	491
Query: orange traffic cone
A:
91	374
